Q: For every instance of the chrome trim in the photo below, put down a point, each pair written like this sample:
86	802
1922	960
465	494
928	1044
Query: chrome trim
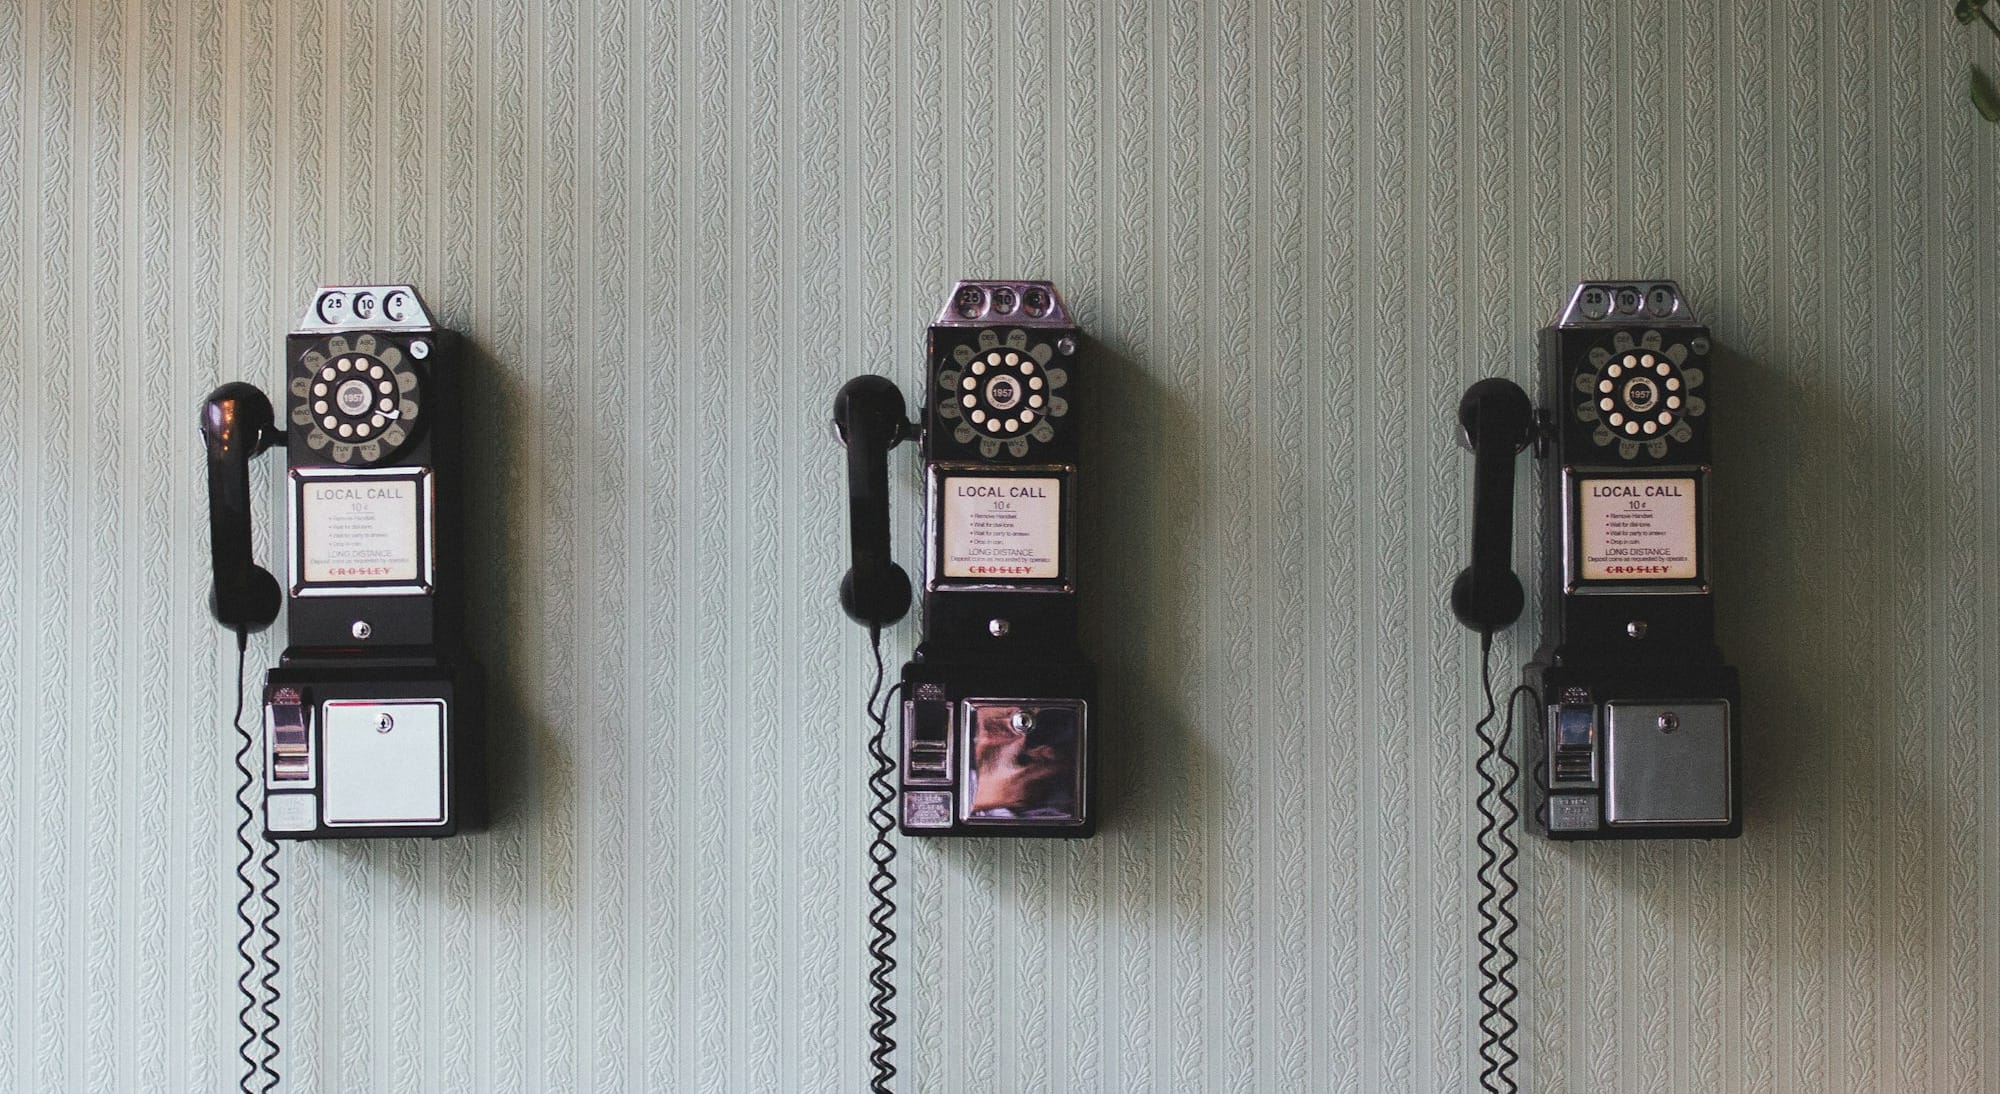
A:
949	315
1575	315
963	792
365	307
1572	547
444	761
934	473
425	583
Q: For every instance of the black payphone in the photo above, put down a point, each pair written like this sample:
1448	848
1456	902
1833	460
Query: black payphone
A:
1636	733
997	701
371	719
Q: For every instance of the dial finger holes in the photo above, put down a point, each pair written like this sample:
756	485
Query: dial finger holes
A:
327	373
375	371
1604	386
1673	402
386	405
1673	383
1034	400
1617	419
319	389
346	364
1631	361
1013	358
1013	425
978	368
1604	404
1652	428
970	400
329	421
346	430
1027	416
1028	365
1645	361
993	424
1663	368
978	416
378	421
1035	382
319	407
1631	427
1614	371
1666	418
969	383
384	387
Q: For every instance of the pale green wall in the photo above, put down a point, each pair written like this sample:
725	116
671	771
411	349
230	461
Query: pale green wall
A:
1297	230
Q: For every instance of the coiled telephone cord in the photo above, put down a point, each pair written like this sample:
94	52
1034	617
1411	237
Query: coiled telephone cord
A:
881	852
259	980
1498	774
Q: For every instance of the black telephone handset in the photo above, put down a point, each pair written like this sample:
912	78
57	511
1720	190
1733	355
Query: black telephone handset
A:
869	418
237	425
371	717
1496	423
1638	736
997	697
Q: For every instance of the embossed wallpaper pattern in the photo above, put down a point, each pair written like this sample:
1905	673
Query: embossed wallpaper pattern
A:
1296	231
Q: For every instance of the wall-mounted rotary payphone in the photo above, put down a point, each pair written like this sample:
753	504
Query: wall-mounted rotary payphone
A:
1638	734
996	728
371	718
1635	732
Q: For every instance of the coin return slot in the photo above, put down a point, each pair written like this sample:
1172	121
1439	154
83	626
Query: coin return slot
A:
927	742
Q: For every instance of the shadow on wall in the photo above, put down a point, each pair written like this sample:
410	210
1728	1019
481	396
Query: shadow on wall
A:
1773	573
1138	600
499	425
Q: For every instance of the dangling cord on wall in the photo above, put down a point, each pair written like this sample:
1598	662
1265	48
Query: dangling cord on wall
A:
881	852
1498	774
259	1016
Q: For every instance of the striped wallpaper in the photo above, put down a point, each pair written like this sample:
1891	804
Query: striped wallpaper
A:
1295	230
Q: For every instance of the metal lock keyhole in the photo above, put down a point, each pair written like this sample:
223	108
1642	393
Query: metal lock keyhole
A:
384	723
1669	722
1022	721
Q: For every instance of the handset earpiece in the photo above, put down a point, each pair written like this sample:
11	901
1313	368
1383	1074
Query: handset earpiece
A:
869	418
237	424
1498	422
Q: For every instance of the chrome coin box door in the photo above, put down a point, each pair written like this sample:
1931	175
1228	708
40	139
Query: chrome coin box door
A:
1639	735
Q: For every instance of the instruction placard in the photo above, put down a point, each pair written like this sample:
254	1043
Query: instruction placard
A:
1001	528
364	530
1639	529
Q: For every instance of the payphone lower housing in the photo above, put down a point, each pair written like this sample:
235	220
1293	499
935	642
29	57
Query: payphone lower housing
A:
997	749
376	749
1635	753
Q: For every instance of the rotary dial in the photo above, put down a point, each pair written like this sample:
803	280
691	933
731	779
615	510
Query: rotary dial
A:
1641	393
356	398
1003	393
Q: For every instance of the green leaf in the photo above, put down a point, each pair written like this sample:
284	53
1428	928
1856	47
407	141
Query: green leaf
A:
1985	96
1964	11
